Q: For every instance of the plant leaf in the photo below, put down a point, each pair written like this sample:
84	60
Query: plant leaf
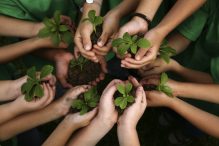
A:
117	42
67	37
85	19
143	43
118	101
92	104
130	99
44	32
167	90
32	72
84	110
163	78
127	37
45	71
63	28
134	38
91	15
98	20
55	39
128	88
123	103
121	88
165	57
77	104
38	91
134	48
57	17
48	22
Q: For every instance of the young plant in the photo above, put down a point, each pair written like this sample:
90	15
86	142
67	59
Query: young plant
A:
125	96
57	31
32	88
130	43
87	102
163	87
93	19
166	51
79	62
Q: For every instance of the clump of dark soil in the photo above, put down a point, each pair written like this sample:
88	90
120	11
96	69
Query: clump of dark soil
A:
96	36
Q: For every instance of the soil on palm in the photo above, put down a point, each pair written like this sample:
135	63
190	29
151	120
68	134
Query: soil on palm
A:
89	72
96	36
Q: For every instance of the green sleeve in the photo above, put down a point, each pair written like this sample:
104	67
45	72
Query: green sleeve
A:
192	27
215	69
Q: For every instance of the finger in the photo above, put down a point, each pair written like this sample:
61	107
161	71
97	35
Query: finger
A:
103	39
139	94
151	72
130	65
107	95
112	83
102	76
141	53
64	82
90	115
80	89
86	40
134	81
76	52
150	82
103	64
51	95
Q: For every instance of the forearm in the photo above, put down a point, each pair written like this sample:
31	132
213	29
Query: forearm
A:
206	92
149	7
201	119
13	51
61	134
191	75
127	136
18	28
90	136
29	121
94	6
181	10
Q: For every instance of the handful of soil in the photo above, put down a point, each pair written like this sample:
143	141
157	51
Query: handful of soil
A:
83	71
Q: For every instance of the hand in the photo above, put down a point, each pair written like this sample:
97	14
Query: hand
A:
134	27
62	62
110	28
64	104
157	67
38	103
145	56
78	120
107	111
155	80
132	114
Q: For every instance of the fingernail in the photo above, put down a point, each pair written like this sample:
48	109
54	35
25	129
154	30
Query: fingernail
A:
137	58
87	47
100	44
122	65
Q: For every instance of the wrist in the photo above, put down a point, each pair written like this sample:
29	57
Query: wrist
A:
142	24
61	108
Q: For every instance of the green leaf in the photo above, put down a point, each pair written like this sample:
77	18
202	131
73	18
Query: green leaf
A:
143	43
118	101
28	98
121	88
134	38
92	104
127	37
123	103
134	48
85	19
63	28
163	78
55	39
26	87
165	57
78	103
45	71
44	32
84	110
32	72
38	91
98	20
122	49
48	22
67	37
57	17
91	15
128	87
167	90
117	42
130	99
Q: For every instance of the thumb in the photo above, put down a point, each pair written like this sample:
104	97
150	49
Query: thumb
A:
90	115
103	39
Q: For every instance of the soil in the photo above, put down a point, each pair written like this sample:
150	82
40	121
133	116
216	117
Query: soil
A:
149	87
89	73
96	36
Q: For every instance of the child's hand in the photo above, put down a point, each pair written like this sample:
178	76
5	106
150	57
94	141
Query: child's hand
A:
157	67
38	103
107	111
145	56
110	28
78	120
132	114
158	99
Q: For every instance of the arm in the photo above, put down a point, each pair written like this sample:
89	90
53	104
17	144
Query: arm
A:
42	116
18	28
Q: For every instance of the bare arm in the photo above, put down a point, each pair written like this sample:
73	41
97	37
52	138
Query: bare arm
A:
205	121
18	28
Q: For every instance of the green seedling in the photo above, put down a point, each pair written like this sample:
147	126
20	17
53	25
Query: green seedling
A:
90	100
32	88
93	19
130	43
57	31
163	87
125	96
166	51
79	62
